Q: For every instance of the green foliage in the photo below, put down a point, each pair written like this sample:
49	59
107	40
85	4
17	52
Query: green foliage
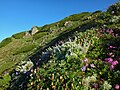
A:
25	49
77	17
96	12
114	9
72	64
18	35
115	19
78	63
5	42
4	81
46	28
39	35
104	16
74	17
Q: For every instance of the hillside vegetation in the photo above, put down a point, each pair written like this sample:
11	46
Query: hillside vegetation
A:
80	52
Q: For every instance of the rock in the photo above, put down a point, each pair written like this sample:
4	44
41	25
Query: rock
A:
34	30
89	17
68	23
27	34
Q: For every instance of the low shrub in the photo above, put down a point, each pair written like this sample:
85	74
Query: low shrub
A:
5	42
18	35
114	9
4	82
77	17
99	11
115	19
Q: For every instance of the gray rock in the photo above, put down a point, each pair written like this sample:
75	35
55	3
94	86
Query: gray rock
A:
34	30
27	34
68	23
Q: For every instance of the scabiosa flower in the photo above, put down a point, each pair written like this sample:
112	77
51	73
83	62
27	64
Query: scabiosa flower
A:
16	73
83	68
117	86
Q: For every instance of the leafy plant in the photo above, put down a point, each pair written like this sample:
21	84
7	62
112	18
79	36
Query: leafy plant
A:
4	81
114	9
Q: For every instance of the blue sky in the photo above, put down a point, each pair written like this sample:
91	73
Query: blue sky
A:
22	15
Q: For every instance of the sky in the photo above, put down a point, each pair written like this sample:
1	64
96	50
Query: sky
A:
21	15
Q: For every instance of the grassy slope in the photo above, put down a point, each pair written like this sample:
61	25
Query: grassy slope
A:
12	53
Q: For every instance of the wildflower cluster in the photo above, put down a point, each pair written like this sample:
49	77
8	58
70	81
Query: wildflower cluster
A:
83	62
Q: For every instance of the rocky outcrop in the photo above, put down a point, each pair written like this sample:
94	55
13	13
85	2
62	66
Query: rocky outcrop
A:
27	34
34	30
68	23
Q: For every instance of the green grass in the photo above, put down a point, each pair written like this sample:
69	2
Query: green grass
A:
18	35
5	42
24	49
25	46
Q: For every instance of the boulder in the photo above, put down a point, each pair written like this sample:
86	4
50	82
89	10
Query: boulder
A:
68	23
34	30
27	34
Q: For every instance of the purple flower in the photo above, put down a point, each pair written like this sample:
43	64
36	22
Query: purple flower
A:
113	12
109	60
112	67
111	54
117	87
83	68
16	73
86	65
111	46
37	63
99	59
95	85
107	30
85	60
24	72
115	62
92	65
116	35
111	31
